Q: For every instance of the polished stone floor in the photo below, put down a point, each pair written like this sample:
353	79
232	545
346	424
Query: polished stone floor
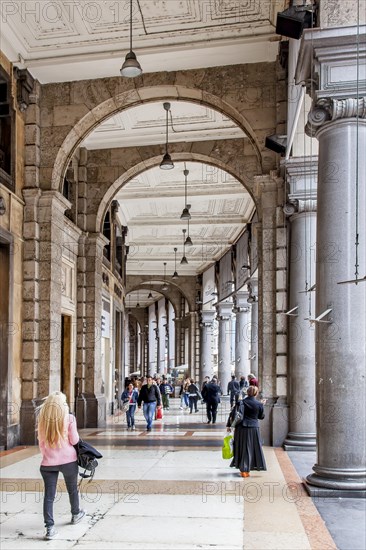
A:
166	489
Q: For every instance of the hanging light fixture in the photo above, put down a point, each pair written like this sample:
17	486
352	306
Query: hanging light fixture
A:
185	215
175	274
166	163
149	296
188	241
131	67
184	260
138	301
165	285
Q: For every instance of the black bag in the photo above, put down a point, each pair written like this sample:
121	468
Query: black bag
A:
87	458
239	415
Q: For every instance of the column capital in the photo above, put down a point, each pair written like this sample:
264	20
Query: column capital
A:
241	302
327	110
295	207
301	177
224	311
207	318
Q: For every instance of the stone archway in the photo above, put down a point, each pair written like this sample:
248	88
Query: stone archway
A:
76	108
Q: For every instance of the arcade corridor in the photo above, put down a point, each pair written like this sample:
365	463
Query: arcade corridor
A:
170	489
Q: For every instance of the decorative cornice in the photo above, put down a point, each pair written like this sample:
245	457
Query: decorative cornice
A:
329	110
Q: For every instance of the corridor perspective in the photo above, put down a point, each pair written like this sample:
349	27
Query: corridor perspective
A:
167	489
183	197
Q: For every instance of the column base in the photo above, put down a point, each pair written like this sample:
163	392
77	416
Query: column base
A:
28	434
300	442
331	482
95	411
324	492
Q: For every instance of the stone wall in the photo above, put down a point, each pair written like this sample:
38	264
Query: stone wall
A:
11	231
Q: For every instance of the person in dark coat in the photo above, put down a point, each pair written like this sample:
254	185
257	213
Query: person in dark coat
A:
150	395
248	454
233	389
211	394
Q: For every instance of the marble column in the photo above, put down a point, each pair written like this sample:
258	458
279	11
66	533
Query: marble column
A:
331	57
242	333
253	300
206	325
301	397
224	349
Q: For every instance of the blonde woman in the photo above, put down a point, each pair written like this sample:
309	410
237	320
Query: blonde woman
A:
57	433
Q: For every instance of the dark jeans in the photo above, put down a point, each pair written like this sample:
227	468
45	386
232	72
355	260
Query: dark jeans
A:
193	403
211	408
130	416
234	397
50	477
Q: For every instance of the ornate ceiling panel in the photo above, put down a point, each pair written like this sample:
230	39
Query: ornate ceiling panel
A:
90	38
151	210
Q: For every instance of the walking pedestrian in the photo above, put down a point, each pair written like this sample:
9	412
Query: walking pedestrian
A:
150	396
248	454
57	435
129	398
211	394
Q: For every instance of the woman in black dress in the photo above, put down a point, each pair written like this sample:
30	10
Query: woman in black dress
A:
248	454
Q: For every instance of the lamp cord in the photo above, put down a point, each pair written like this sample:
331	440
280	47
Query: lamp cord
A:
131	26
357	142
166	138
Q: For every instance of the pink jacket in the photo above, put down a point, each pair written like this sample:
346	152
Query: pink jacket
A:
53	456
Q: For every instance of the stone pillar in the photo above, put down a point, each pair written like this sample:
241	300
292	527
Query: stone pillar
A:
302	174
194	372
224	349
206	325
253	300
338	120
242	334
31	251
93	393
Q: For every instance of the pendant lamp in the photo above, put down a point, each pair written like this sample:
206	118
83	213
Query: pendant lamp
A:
131	67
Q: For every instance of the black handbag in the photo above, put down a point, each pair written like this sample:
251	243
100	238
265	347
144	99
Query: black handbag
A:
87	458
239	415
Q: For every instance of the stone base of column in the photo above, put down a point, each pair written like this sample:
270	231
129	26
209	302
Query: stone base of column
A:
95	411
329	482
80	411
28	434
300	442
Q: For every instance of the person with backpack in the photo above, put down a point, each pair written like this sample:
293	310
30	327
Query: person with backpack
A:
166	389
248	453
57	435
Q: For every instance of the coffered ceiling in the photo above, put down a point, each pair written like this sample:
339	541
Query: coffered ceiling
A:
67	40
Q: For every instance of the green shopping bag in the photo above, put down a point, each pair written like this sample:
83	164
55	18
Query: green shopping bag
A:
227	447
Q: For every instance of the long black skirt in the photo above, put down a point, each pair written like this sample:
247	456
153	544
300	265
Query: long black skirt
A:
248	454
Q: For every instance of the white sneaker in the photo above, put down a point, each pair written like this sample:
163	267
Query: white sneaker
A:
133	428
50	533
78	517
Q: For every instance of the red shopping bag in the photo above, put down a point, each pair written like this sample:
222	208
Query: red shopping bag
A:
159	414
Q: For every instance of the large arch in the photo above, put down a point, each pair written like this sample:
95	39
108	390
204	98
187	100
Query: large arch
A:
132	98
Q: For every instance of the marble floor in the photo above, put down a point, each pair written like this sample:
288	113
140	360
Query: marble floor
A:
164	489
